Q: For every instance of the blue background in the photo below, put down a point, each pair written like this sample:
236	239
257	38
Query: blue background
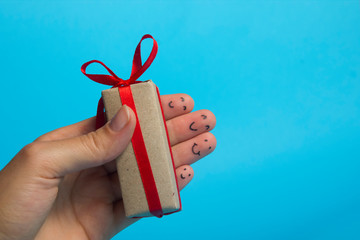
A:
282	77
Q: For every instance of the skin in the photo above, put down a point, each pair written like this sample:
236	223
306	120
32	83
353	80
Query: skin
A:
64	185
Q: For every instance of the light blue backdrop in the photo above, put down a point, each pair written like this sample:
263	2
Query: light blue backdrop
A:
282	77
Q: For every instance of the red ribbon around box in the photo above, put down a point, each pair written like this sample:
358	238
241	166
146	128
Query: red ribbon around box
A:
137	140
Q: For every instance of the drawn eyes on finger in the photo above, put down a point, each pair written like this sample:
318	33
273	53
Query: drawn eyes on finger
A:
183	100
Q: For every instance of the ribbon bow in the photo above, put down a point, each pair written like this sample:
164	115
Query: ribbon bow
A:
142	158
137	70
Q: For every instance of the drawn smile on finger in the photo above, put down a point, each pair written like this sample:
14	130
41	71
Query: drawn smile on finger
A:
193	150
182	176
170	104
191	127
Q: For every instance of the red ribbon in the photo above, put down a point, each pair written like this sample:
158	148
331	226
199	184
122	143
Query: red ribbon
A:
137	70
142	158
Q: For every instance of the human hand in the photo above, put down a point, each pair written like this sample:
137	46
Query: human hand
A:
64	185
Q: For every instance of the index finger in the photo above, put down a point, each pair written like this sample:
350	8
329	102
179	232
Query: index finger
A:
173	105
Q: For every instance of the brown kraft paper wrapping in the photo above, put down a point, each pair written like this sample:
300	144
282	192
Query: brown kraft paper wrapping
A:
156	143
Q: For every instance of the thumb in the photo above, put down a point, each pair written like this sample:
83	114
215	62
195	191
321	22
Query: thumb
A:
92	149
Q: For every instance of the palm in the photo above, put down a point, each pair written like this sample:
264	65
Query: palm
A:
91	195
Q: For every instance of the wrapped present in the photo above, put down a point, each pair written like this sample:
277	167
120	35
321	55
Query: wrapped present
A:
146	167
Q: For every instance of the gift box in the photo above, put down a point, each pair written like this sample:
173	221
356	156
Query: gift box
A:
150	118
146	168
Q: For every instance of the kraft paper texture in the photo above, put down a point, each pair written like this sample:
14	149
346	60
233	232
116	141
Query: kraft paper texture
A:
154	133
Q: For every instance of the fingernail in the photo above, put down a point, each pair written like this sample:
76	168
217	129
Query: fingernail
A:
120	119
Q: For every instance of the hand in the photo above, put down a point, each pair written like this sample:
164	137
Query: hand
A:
64	185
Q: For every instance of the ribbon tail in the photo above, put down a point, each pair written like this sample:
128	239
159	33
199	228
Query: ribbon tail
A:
100	115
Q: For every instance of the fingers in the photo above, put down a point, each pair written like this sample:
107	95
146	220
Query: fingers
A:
173	105
188	146
176	104
194	149
93	149
190	125
182	126
184	175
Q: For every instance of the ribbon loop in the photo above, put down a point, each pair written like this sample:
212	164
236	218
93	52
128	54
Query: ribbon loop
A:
113	80
137	68
101	78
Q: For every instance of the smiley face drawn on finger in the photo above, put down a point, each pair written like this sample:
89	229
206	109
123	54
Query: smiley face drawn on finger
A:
207	127
193	150
182	175
171	104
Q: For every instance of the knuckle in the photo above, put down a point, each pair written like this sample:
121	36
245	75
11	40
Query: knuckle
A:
32	154
31	150
42	138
